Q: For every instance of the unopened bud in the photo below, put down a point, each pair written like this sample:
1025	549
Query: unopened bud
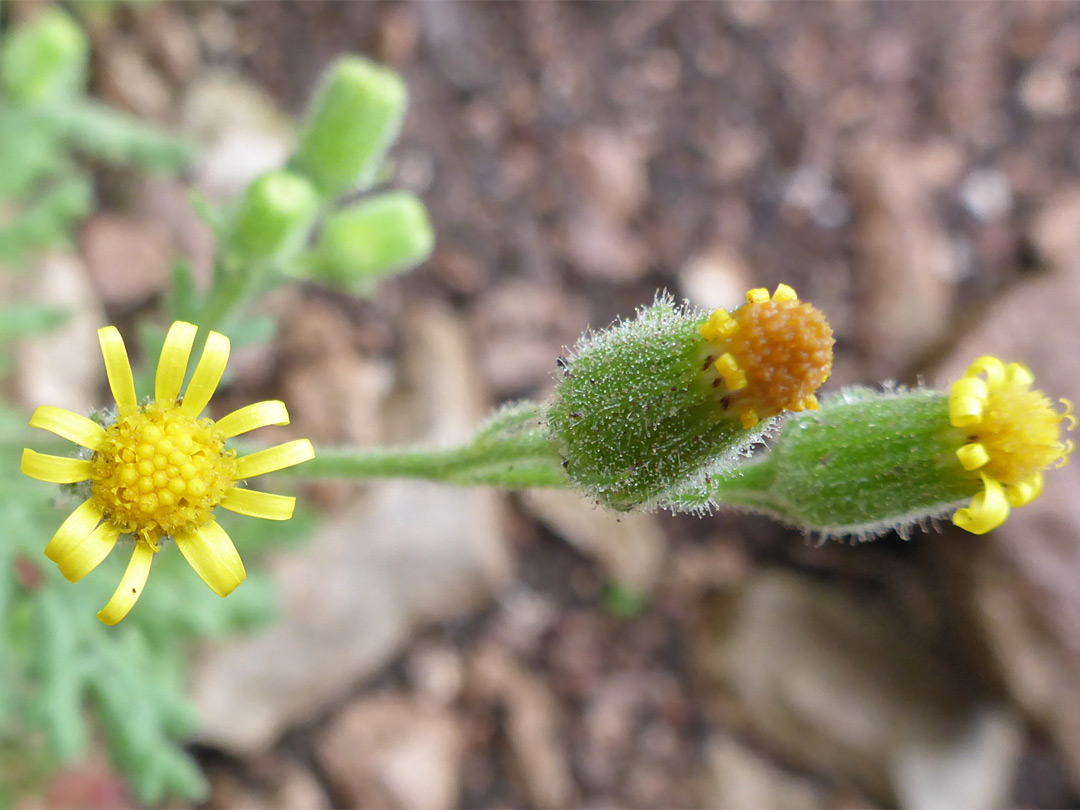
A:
275	217
45	59
377	237
353	120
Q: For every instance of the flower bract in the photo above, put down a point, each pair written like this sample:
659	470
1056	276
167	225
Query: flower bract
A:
1013	435
158	470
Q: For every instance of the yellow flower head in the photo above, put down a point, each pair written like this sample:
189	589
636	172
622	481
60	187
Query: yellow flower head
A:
1013	435
771	354
160	471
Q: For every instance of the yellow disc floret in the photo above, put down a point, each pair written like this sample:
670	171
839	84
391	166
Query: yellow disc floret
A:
160	471
775	352
1013	435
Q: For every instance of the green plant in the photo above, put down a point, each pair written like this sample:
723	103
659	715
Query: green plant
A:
68	678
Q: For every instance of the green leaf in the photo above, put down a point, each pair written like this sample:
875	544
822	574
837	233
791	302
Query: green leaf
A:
25	320
101	132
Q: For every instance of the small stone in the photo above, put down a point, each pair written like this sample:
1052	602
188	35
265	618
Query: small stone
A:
533	725
736	777
387	751
435	671
986	194
1054	232
839	683
62	367
630	547
170	38
129	259
1046	91
906	285
604	249
131	82
243	132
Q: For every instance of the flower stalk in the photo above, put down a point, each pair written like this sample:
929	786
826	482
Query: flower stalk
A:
511	450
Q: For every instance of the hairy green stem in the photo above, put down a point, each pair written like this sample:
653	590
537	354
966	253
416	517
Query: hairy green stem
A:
510	450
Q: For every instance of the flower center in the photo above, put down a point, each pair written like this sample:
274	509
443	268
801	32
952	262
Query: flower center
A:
159	471
776	353
1021	431
785	349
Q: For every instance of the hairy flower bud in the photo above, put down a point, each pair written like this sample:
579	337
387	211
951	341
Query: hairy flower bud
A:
659	404
872	461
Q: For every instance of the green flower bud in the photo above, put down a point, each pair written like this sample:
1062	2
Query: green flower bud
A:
353	121
376	237
45	59
868	462
275	217
661	404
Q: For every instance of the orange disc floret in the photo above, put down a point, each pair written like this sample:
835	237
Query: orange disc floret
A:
776	353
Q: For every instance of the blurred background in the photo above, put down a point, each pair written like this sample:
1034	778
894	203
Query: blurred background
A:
911	169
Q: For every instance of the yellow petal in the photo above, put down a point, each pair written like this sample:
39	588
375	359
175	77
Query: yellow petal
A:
728	366
55	469
117	368
993	368
973	455
125	596
1016	374
69	425
749	417
207	374
785	293
275	458
256	415
173	363
73	530
88	555
213	556
1026	491
263	505
758	295
719	327
967	401
987	511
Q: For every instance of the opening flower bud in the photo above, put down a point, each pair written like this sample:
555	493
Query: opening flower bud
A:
873	461
659	404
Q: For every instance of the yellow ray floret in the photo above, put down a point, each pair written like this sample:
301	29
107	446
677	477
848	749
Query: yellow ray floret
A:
160	470
1013	435
771	354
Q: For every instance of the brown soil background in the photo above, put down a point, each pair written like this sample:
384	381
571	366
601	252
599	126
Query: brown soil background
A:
910	168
